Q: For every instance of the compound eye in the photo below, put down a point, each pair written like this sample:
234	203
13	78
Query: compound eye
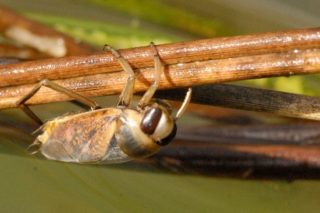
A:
150	120
169	138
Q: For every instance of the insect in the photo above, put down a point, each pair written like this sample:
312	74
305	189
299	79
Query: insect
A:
109	135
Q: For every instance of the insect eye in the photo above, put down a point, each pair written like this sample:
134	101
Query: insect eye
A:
150	120
169	138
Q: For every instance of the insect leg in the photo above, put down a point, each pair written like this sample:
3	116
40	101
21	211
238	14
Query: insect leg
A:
127	92
82	99
34	147
31	114
152	89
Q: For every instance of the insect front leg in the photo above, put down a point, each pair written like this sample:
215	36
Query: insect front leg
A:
127	92
153	88
80	98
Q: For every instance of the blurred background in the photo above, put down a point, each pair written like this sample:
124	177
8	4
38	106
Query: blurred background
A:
30	184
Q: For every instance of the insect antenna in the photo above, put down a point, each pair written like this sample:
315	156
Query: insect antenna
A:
184	104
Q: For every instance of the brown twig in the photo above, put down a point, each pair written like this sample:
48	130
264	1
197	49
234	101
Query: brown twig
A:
10	51
209	61
19	28
283	53
179	75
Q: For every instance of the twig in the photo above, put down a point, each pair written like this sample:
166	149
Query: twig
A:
10	51
292	52
205	65
249	160
27	31
180	75
252	99
306	134
287	151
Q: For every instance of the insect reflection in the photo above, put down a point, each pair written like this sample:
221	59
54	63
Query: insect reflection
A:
108	135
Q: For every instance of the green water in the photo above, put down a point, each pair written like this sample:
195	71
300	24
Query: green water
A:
34	185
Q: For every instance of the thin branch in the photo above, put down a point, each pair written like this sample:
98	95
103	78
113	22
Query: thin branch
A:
249	160
251	99
288	151
10	51
303	133
209	61
179	75
39	36
277	51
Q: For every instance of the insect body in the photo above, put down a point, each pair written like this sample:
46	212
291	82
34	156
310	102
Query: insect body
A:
109	135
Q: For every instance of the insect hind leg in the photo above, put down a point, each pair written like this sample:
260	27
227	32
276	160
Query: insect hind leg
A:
21	102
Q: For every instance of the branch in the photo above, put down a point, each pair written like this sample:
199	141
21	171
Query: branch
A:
251	99
288	151
189	64
294	51
39	36
27	53
181	75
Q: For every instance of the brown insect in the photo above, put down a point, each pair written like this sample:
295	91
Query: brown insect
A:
108	135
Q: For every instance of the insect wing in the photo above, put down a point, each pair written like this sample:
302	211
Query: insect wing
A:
85	138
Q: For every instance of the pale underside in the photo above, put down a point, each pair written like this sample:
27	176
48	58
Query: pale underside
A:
83	138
